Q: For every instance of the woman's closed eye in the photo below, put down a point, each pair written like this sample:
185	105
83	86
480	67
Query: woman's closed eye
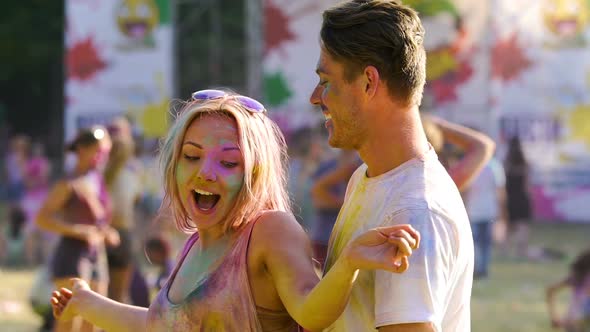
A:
229	164
191	158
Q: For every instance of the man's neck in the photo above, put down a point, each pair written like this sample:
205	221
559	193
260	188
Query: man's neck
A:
394	138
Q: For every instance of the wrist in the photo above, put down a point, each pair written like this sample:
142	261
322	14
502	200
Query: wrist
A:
77	301
345	262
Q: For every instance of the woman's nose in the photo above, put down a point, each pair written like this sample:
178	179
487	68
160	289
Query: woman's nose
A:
207	173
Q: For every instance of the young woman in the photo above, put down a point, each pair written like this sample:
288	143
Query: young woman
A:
77	208
518	203
123	184
248	264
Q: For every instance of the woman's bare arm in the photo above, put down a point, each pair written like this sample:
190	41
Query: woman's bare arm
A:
477	149
97	309
316	304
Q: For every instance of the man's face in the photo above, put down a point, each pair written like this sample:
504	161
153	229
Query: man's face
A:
340	103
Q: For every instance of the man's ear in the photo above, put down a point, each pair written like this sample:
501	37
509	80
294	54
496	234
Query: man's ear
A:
371	77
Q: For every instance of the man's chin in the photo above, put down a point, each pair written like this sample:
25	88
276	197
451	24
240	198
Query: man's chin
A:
336	143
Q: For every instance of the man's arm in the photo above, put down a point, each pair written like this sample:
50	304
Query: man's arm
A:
414	301
414	327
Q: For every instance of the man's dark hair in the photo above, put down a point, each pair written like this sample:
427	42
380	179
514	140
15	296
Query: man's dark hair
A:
380	33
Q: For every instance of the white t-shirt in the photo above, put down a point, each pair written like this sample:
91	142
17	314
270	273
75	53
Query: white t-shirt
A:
437	286
482	198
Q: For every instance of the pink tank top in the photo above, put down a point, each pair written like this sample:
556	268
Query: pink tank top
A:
222	301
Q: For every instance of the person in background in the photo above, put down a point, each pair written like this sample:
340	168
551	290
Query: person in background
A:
14	187
517	198
305	152
157	250
123	184
474	148
577	317
38	243
78	210
327	192
15	166
485	200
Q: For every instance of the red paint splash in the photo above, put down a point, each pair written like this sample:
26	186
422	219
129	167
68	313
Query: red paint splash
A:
277	23
83	61
445	88
509	59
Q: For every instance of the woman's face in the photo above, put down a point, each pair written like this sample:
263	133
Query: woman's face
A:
93	155
210	170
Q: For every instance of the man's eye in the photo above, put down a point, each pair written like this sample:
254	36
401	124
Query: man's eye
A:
191	158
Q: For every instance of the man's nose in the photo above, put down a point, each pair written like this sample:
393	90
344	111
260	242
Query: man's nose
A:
315	98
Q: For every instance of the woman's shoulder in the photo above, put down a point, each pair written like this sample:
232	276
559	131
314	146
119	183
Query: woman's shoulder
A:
276	227
276	219
63	184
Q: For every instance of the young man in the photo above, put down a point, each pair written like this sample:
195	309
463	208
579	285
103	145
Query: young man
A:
371	77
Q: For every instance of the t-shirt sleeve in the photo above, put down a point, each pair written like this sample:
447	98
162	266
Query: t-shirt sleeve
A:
419	294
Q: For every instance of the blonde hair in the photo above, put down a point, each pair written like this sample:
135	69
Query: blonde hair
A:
264	151
121	151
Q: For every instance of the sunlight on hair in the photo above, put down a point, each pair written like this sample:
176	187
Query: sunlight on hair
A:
98	133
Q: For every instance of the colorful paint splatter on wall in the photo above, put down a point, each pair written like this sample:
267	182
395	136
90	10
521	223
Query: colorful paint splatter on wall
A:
509	59
83	60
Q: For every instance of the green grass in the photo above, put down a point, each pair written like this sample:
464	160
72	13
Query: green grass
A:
512	299
15	313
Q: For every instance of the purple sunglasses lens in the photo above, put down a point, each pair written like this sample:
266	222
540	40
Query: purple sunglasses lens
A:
252	104
208	94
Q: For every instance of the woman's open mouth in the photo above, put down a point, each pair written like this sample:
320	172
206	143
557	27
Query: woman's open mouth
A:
205	201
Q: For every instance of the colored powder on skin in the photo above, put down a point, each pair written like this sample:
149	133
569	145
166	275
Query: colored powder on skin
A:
346	228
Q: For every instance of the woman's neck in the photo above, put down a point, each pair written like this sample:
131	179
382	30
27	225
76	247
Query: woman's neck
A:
82	169
214	237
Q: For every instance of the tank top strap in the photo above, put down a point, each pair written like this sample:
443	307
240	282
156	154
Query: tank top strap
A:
181	256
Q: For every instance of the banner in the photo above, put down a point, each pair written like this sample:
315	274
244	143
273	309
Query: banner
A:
291	53
118	62
541	92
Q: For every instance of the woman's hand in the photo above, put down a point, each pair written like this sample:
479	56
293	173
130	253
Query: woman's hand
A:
111	237
91	234
383	248
63	301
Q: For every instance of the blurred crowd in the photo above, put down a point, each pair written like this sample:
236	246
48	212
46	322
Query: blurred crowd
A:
140	244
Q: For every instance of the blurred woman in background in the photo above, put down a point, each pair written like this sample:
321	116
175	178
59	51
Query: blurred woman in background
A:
78	209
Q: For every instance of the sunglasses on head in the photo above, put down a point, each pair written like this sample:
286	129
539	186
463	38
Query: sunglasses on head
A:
252	105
